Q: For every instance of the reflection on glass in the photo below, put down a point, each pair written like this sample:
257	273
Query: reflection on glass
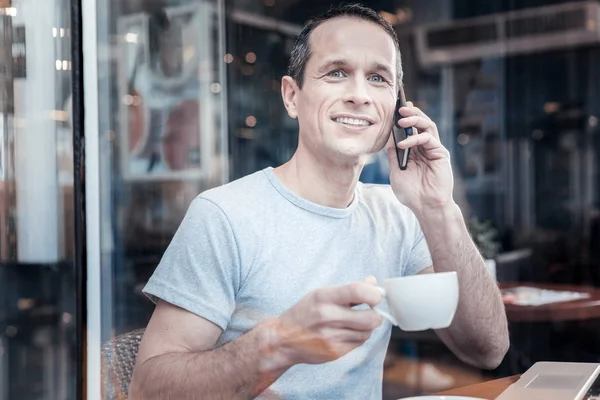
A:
521	123
37	293
163	125
166	96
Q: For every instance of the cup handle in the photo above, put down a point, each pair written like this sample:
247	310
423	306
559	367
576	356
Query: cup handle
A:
385	314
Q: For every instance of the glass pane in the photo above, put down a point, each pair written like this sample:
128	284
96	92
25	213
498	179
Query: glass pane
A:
163	140
190	100
521	124
37	272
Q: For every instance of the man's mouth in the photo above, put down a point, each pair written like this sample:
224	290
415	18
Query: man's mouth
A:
352	121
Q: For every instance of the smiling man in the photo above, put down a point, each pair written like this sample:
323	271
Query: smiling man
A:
256	294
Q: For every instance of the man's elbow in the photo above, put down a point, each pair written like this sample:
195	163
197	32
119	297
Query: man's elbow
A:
135	388
496	352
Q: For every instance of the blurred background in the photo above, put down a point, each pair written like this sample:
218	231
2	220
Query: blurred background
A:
189	99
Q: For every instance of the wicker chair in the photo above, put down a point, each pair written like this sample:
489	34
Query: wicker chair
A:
118	359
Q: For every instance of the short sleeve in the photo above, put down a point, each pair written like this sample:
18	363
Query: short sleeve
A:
420	257
200	269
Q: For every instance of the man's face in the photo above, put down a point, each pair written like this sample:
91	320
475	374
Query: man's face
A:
345	108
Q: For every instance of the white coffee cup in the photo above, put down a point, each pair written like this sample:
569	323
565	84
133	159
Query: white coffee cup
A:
420	302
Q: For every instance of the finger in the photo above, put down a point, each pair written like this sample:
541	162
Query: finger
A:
353	293
345	318
409	110
420	124
331	344
370	280
426	142
345	335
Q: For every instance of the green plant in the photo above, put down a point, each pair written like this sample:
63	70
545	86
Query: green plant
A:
485	237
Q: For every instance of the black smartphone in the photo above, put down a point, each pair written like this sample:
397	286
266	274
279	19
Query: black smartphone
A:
401	154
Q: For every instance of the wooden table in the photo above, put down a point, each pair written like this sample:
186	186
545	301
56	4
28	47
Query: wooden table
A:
581	309
487	390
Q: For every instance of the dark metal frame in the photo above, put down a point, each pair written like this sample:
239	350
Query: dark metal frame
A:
78	117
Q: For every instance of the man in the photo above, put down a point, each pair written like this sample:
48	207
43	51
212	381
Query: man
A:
257	293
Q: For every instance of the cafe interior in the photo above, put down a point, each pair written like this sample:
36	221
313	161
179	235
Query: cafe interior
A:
115	115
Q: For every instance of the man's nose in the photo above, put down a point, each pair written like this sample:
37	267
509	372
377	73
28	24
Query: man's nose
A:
358	92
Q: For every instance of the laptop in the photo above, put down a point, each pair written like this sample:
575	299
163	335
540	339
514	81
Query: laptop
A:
556	381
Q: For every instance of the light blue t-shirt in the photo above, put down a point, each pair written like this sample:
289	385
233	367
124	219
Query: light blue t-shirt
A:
251	249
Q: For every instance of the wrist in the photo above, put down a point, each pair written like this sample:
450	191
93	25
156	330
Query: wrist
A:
274	355
449	212
443	226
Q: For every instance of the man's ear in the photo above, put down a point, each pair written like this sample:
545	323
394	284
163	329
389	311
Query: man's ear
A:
289	91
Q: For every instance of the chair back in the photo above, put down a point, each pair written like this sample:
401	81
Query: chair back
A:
118	360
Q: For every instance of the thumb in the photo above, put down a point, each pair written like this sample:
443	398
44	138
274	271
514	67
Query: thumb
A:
371	280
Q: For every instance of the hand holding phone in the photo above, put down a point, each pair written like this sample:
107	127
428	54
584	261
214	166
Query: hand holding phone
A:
402	158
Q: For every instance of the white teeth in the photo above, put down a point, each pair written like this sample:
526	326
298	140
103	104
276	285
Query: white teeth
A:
352	121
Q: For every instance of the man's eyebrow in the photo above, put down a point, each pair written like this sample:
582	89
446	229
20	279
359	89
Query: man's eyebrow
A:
382	68
338	62
341	62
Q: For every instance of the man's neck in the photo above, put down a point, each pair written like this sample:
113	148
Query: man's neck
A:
330	185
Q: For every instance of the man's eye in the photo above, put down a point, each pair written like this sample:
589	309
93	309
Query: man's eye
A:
377	79
336	74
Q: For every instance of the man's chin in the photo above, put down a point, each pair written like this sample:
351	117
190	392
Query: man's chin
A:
353	156
357	145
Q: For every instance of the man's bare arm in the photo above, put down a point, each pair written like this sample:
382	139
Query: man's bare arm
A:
479	332
187	366
177	359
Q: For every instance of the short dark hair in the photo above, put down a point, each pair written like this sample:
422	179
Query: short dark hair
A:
301	51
